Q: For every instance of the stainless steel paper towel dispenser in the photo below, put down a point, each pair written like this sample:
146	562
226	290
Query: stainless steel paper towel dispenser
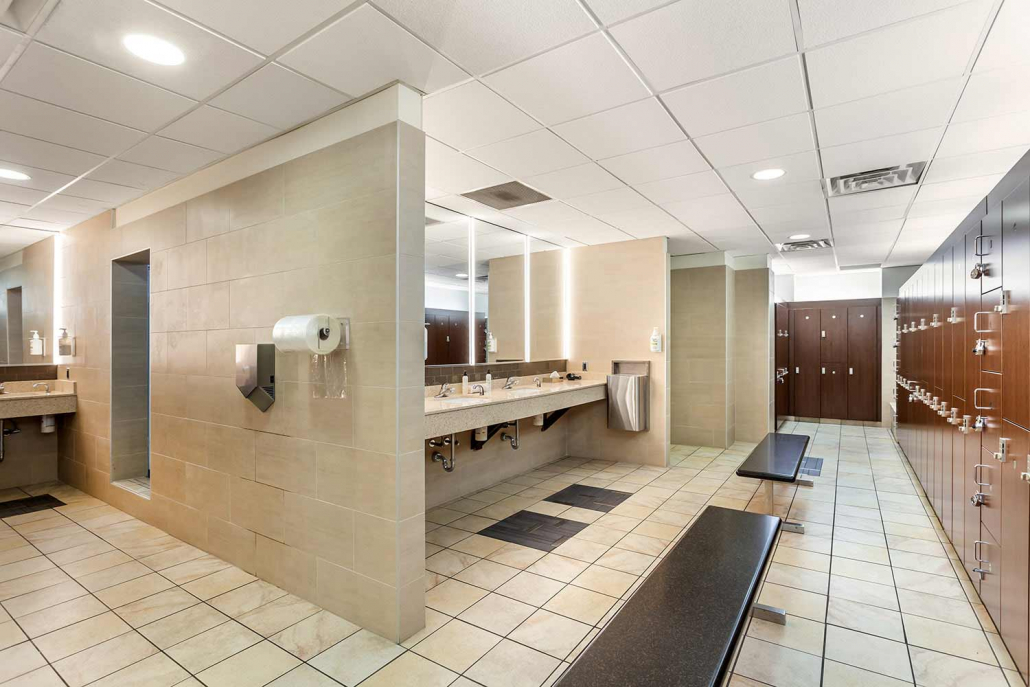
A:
629	405
255	373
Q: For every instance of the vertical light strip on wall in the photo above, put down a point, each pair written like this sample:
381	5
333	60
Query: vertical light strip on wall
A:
526	290
472	290
58	315
566	297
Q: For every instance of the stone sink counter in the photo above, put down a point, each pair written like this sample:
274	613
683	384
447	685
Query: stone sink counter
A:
458	413
20	400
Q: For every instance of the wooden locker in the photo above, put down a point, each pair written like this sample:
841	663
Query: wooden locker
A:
960	495
1015	323
833	387
805	361
988	328
782	360
989	475
987	404
989	561
959	348
863	378
1015	548
990	250
833	323
971	512
971	440
972	362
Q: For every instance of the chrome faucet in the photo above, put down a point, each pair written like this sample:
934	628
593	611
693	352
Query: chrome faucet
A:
445	390
536	380
511	382
2	390
42	384
477	389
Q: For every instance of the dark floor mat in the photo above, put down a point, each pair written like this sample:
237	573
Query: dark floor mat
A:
813	467
591	498
535	530
28	505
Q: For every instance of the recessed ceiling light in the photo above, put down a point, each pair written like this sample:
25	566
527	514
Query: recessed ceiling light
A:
461	275
11	174
768	174
799	237
153	49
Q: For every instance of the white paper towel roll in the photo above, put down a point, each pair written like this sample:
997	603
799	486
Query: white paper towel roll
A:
307	333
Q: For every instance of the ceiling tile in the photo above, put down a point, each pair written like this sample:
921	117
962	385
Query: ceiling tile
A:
626	129
575	80
711	213
689	245
173	156
47	214
111	194
472	115
215	129
756	195
279	97
20	195
653	164
38	224
768	91
14	239
81	206
454	173
944	207
910	109
55	124
9	40
933	47
986	134
959	188
9	211
575	181
611	11
874	231
264	25
483	36
869	215
973	164
1006	43
110	95
546	213
35	153
687	41
94	31
534	153
881	198
683	188
364	50
591	231
775	138
647	222
39	179
794	215
989	94
130	174
609	202
830	20
799	167
901	149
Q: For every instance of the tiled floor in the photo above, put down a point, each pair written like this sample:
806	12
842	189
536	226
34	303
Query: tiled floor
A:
89	595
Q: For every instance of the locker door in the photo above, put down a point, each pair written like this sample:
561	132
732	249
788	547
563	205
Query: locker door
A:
834	332
959	348
805	351
972	365
990	476
782	359
971	512
960	495
990	561
987	404
863	380
1015	548
1015	323
947	430
990	250
988	327
833	391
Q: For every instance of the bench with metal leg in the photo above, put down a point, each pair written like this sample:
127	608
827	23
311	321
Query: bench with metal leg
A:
777	458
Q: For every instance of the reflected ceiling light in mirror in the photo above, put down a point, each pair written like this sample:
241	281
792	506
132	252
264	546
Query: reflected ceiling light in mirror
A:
153	49
461	275
799	237
768	174
15	176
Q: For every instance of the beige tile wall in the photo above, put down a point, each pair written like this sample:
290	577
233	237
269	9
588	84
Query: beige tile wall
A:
619	293
322	496
752	354
506	308
546	304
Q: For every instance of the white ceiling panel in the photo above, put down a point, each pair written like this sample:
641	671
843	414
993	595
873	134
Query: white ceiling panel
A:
986	134
25	223
279	97
869	200
9	40
711	213
610	202
901	149
30	151
531	154
933	223
910	109
365	50
641	125
109	95
959	188
761	194
871	215
954	206
654	164
830	20
483	36
471	208
40	179
575	80
1006	43
20	195
546	213
48	122
936	46
110	194
130	174
683	188
173	156
688	244
215	129
82	206
797	168
769	91
989	94
263	25
47	214
575	181
795	215
454	173
973	164
648	222
611	11
13	239
776	138
687	41
591	231
472	115
94	31
856	233
9	211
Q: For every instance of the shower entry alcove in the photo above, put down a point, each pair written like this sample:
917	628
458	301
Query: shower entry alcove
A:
130	372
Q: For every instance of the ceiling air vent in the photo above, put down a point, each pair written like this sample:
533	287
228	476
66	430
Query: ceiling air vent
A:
875	179
505	196
807	244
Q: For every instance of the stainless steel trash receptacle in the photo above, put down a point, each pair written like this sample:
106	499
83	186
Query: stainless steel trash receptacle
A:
629	396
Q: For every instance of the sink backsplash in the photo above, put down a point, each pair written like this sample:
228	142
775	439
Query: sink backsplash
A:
451	374
24	373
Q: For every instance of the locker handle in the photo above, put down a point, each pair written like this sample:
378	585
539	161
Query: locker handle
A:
977	476
824	370
978	246
797	370
851	370
976	405
824	333
977	328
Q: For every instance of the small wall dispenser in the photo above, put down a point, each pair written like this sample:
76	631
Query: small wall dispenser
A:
255	373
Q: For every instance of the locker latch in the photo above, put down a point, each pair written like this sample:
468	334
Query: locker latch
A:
936	322
953	318
1003	307
1003	450
922	323
1025	476
964	427
824	370
824	333
851	370
980	347
943	410
979	423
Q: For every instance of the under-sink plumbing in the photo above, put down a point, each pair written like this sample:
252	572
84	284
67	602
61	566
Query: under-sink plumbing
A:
447	462
513	440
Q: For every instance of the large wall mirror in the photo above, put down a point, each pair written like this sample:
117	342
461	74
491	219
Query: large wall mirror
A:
493	295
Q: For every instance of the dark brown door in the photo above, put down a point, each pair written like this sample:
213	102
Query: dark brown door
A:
458	340
1015	552
990	562
805	338
987	404
971	515
989	474
988	326
863	378
990	250
833	323
1015	323
959	349
972	306
833	386
960	494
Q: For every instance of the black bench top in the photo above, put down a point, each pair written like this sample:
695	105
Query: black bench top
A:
681	625
777	457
